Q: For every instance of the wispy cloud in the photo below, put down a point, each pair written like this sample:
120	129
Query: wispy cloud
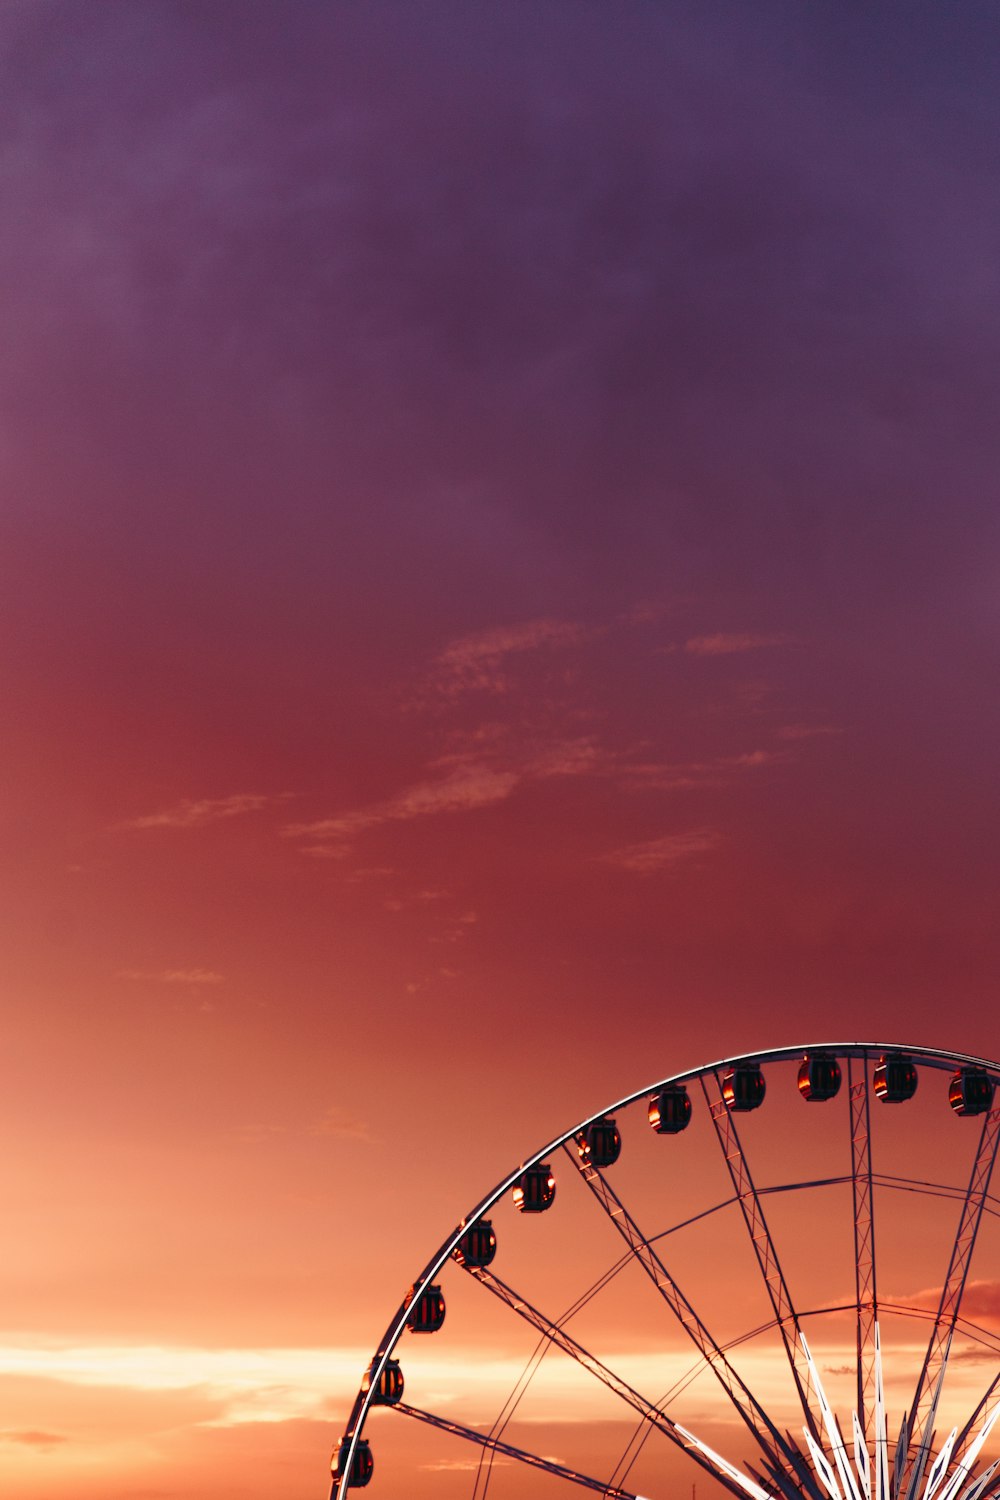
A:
685	775
172	976
462	1465
980	1301
475	662
275	1384
577	757
32	1438
495	769
466	783
195	814
806	731
238	1385
465	787
256	1134
661	853
337	1122
460	928
730	644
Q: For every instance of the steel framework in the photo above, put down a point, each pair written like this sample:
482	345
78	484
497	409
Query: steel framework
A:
764	1248
862	1197
824	1469
781	1456
927	1393
532	1460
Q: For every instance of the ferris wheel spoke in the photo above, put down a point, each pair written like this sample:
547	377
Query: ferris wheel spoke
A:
521	1455
932	1372
779	1452
991	1204
961	1442
866	1291
557	1336
974	1331
764	1248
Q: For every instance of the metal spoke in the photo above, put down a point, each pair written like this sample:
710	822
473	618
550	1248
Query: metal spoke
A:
560	1339
963	1437
778	1450
763	1247
925	1396
991	1205
497	1445
866	1290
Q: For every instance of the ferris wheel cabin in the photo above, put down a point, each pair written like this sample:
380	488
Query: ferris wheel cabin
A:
601	1143
670	1110
426	1312
477	1247
362	1466
743	1087
895	1078
819	1077
535	1189
971	1092
388	1388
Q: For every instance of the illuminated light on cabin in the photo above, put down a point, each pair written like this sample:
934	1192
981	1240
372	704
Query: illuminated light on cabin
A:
819	1077
670	1110
895	1078
971	1092
477	1246
426	1313
601	1145
535	1189
388	1388
362	1466
743	1087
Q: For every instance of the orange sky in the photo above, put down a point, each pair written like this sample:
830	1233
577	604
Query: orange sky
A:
499	605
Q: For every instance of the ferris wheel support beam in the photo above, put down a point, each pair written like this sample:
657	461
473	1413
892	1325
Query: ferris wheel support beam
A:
750	1199
763	1247
497	1445
621	1388
966	1432
927	1392
866	1289
779	1453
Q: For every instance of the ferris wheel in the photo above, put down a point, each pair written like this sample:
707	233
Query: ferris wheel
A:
755	1275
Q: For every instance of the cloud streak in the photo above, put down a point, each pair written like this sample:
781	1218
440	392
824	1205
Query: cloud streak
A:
687	775
468	783
189	813
475	663
33	1438
192	977
662	853
725	644
980	1301
807	731
465	788
286	1383
337	1123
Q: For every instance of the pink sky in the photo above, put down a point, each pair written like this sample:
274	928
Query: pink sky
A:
499	605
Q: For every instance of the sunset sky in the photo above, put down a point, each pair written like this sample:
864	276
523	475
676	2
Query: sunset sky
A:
499	604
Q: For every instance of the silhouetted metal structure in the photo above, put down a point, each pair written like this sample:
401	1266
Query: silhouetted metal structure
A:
825	1465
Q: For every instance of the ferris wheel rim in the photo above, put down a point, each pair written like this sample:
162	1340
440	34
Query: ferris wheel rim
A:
940	1058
